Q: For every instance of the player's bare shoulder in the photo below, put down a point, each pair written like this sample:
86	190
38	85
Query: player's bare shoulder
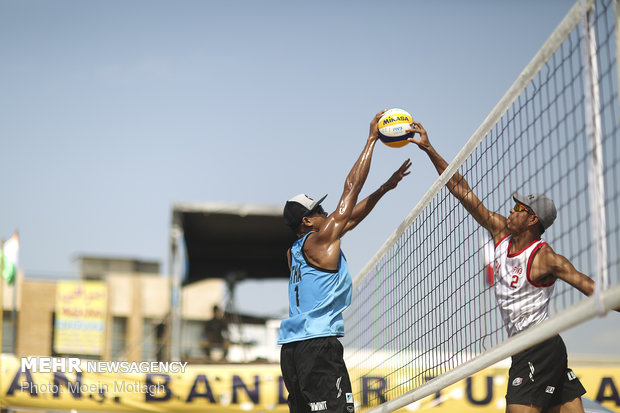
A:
322	251
546	264
547	257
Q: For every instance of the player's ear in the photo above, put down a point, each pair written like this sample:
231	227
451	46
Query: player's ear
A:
533	221
305	221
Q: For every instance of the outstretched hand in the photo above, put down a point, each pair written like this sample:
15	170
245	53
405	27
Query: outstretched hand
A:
398	175
422	140
374	128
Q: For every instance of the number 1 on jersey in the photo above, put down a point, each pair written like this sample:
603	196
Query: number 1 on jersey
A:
297	294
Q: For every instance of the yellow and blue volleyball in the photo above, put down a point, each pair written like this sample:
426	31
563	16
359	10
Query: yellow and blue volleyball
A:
393	127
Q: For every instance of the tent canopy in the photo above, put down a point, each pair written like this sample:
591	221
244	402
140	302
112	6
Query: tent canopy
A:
232	240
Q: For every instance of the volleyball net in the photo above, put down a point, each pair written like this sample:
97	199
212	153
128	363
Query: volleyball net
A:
423	314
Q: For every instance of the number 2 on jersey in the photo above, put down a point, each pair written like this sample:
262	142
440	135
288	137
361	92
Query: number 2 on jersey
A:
515	277
515	280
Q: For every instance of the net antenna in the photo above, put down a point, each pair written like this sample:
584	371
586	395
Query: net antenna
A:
595	173
423	314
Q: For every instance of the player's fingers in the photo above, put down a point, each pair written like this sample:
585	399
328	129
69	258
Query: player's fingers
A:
416	126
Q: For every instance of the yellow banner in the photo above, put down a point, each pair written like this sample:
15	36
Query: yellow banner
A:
79	326
248	388
485	391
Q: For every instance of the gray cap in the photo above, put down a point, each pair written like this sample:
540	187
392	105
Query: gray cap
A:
542	206
298	207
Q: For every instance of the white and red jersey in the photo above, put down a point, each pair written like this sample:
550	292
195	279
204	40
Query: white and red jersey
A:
522	302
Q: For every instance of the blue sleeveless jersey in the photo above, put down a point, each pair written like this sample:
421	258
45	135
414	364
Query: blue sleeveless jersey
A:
316	297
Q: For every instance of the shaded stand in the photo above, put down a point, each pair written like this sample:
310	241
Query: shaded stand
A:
232	242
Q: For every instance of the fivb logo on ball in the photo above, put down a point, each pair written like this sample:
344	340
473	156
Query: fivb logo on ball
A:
75	365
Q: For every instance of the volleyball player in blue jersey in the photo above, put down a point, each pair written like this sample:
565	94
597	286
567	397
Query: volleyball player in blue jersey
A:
319	290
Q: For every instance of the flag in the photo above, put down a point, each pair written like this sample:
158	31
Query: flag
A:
9	253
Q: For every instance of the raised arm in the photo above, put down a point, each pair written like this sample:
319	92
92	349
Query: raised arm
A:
323	248
363	208
334	226
458	186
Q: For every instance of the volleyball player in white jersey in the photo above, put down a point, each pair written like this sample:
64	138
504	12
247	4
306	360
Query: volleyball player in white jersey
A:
320	289
526	269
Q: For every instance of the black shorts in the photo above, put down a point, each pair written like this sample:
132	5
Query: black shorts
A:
316	377
540	376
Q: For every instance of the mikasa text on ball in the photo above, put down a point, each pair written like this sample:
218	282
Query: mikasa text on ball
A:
393	127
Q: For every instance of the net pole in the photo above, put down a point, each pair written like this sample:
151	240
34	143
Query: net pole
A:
596	187
176	316
617	13
578	313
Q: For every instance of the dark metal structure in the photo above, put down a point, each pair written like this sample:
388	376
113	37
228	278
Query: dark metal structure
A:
233	242
248	241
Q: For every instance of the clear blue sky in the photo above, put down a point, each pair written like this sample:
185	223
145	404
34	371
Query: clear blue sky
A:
112	111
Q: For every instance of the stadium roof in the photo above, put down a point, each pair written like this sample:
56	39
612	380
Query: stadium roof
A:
233	240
